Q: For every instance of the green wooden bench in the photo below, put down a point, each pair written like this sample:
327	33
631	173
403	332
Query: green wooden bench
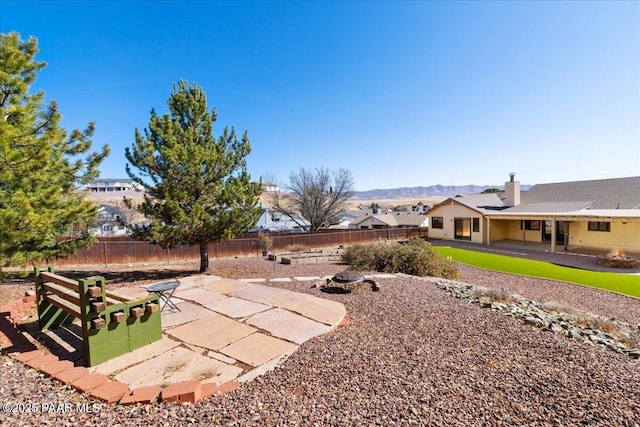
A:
112	324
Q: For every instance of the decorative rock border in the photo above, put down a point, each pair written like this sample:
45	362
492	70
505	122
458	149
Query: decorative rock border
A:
559	322
100	387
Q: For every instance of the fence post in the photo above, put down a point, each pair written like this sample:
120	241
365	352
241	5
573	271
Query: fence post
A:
106	258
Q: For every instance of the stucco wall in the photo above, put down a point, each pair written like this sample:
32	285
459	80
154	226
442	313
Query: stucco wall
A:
448	213
622	236
499	230
514	232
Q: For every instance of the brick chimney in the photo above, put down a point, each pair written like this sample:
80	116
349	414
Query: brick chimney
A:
512	191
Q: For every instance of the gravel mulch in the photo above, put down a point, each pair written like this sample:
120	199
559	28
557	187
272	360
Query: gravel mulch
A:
412	355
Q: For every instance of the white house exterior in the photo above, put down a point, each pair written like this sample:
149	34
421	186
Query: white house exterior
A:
110	184
271	220
110	222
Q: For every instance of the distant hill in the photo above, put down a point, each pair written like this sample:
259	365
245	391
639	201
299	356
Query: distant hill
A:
430	191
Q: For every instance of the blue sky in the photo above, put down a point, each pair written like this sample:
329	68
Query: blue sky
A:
400	93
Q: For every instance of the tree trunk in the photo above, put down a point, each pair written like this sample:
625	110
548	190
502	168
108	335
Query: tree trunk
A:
204	257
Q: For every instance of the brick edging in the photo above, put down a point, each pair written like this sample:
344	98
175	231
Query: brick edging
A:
15	345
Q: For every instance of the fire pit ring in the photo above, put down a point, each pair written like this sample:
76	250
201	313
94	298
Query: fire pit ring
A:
626	262
348	277
617	259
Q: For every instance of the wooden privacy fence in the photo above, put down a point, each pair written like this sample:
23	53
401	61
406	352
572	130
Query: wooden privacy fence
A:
118	250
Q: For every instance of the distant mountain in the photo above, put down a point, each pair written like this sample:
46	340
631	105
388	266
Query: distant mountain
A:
430	191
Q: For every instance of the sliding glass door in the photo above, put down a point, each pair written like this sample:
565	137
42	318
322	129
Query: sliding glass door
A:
462	228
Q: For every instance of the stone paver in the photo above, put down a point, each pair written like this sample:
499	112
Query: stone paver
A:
201	296
135	292
281	279
265	367
128	359
225	286
380	276
212	332
236	307
306	278
257	349
290	300
259	293
176	365
322	310
188	313
198	280
284	324
253	280
65	341
189	294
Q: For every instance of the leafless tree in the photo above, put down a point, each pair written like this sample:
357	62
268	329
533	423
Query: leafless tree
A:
319	196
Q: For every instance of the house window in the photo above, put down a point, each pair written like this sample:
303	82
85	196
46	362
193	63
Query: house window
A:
599	226
530	224
476	225
437	222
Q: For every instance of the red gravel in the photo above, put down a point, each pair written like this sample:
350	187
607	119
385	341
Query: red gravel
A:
412	355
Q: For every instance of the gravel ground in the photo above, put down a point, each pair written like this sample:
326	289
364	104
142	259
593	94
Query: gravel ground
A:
412	355
607	304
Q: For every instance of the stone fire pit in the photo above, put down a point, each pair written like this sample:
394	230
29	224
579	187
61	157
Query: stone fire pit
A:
617	261
346	282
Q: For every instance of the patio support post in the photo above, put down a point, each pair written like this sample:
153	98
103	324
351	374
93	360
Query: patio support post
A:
553	235
488	231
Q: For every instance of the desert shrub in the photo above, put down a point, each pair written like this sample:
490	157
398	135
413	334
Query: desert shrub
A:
416	257
498	295
360	257
263	241
632	339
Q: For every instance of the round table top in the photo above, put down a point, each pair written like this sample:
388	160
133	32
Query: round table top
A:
163	286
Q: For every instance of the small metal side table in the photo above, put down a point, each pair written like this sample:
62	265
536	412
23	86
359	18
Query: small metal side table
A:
165	291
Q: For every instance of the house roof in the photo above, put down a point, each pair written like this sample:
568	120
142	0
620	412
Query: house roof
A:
592	198
613	193
394	219
482	203
413	219
384	218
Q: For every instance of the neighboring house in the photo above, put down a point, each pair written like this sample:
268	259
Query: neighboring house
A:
345	219
111	222
271	220
370	220
598	214
104	185
421	208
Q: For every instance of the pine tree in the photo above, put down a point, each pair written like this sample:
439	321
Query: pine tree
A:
198	188
41	165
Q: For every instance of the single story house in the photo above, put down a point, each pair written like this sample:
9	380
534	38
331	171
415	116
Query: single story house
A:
597	214
390	220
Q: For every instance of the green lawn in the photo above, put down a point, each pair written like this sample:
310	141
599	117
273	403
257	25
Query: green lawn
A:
622	283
